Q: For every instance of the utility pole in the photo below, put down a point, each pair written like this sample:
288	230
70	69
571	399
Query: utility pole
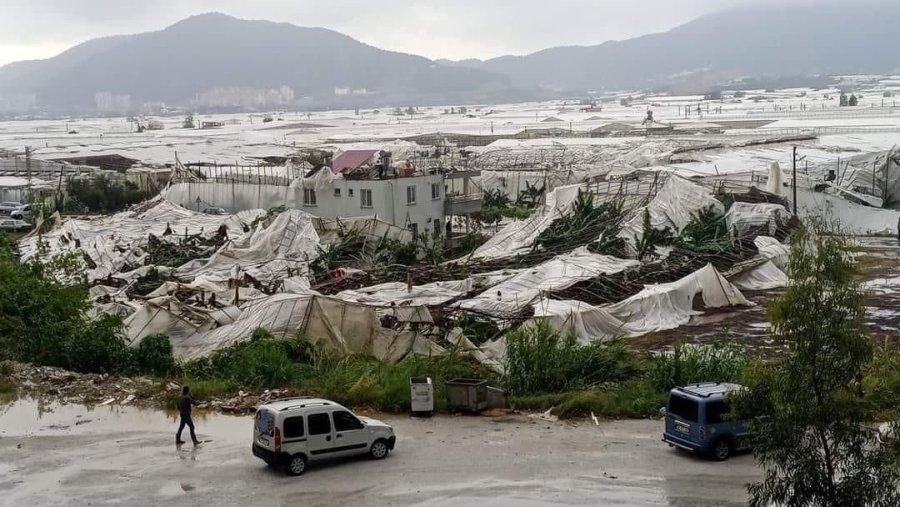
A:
794	163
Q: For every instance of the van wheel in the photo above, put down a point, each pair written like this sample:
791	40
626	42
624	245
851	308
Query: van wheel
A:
379	450
297	464
721	449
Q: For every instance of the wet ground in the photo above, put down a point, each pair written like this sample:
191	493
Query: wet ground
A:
69	455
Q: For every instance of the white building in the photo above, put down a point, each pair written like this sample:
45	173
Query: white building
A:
416	202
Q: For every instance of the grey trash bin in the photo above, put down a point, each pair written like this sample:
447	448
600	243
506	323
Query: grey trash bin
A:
467	394
421	393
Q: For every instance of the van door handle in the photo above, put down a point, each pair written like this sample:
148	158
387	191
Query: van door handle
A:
338	435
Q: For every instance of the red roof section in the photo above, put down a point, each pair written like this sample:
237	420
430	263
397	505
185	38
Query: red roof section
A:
350	160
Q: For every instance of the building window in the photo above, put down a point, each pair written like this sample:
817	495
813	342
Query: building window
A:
337	192
350	192
411	194
437	228
365	198
309	197
415	231
435	191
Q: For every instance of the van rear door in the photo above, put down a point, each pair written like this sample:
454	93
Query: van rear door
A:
682	417
264	429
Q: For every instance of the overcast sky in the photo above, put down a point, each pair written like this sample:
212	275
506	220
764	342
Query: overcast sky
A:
453	29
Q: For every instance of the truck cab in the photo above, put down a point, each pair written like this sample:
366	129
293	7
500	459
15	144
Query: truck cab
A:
697	420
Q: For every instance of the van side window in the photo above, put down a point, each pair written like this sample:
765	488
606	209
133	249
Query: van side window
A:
345	421
716	412
293	427
319	424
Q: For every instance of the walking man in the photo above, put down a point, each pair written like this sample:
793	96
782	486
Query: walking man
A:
185	404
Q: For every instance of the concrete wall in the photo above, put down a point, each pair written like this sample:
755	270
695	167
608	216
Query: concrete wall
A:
389	202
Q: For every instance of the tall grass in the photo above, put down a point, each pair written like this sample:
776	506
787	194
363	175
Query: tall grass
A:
691	364
634	399
541	360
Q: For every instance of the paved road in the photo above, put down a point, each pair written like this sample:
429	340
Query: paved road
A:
72	456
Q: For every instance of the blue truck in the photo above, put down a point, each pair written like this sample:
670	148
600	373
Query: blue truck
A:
697	421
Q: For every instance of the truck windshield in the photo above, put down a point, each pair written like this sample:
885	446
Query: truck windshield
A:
684	408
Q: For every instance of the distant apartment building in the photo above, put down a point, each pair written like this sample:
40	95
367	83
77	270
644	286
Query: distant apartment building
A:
247	98
340	92
18	102
110	102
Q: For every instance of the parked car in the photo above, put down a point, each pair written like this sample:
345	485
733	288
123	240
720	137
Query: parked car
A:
215	211
697	421
13	225
295	431
22	213
6	208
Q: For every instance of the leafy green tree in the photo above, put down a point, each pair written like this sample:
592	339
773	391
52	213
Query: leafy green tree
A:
806	413
188	121
843	99
853	100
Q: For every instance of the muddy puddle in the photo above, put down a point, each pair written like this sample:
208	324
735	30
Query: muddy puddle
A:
36	417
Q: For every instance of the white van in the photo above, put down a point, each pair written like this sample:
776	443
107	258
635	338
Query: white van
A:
294	431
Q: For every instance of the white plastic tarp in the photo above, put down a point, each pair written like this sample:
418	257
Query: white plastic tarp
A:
345	327
399	294
674	206
520	291
772	249
669	305
282	249
589	323
519	236
766	276
743	217
117	241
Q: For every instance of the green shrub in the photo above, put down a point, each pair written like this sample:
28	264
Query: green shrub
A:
154	356
540	360
99	348
690	364
260	362
634	399
881	383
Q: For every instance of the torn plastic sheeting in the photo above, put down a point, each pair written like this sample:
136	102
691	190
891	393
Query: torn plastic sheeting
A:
670	305
371	229
115	241
743	216
774	250
562	272
674	206
763	277
398	293
166	315
589	323
521	234
486	356
285	246
345	327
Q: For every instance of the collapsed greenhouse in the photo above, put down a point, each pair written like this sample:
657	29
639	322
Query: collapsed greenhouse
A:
615	258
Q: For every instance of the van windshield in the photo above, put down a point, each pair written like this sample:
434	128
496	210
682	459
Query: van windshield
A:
683	408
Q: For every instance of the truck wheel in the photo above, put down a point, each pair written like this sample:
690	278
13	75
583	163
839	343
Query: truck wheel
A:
721	449
297	464
379	449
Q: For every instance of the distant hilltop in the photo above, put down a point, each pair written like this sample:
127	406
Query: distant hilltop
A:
215	62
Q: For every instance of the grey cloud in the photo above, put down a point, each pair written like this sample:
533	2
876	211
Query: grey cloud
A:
436	28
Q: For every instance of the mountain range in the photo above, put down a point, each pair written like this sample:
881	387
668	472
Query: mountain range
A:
214	61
